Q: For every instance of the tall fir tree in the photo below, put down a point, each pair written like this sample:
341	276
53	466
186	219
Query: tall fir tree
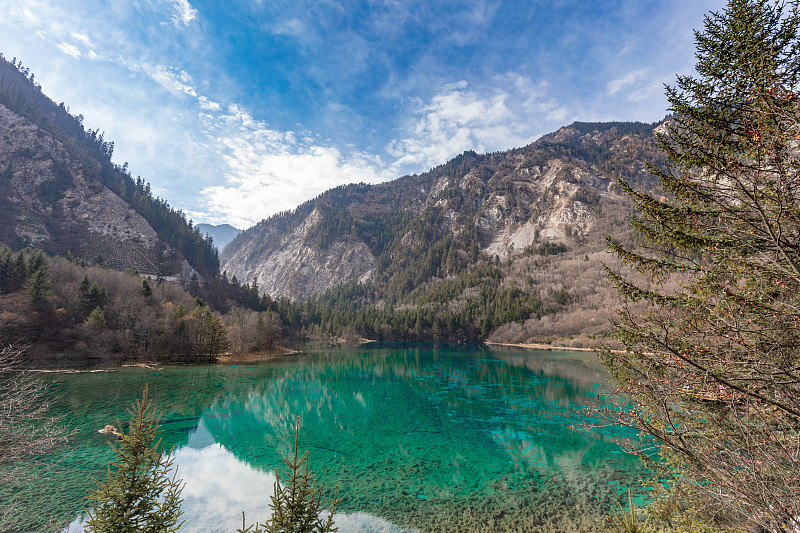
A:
713	364
142	493
39	285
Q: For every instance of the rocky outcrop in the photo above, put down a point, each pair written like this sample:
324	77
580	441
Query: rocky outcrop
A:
287	265
499	204
49	199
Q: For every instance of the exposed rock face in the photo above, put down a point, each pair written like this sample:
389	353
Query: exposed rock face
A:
287	266
48	200
552	190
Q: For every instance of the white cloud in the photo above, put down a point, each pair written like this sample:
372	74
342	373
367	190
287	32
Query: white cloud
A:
459	118
631	78
81	38
267	171
177	82
26	15
208	105
69	49
184	13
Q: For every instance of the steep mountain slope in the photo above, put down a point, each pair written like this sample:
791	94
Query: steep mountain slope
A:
60	191
486	246
553	190
50	202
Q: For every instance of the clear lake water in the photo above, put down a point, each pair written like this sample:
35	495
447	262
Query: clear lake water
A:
414	437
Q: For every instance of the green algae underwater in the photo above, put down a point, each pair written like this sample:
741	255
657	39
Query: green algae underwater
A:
415	437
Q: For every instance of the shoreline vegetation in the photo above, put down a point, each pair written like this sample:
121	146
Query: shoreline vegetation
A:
542	346
108	363
72	315
256	357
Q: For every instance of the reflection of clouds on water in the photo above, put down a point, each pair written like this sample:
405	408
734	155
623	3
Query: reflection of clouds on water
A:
218	487
363	523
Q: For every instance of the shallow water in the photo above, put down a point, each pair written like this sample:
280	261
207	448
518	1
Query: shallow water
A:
413	436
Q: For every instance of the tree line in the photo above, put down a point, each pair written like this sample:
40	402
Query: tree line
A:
95	313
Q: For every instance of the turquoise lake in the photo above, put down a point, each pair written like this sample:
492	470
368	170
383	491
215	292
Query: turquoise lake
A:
415	437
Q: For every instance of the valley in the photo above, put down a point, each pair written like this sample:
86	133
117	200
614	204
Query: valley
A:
505	246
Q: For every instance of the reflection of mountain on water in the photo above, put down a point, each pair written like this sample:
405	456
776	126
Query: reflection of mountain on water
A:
442	439
406	432
575	367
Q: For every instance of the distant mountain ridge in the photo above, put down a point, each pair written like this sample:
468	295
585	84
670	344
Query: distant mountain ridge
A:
221	233
493	205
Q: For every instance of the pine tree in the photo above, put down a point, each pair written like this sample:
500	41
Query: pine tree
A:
17	272
147	289
139	495
713	365
210	336
39	285
296	506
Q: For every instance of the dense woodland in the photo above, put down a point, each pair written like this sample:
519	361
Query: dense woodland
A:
101	315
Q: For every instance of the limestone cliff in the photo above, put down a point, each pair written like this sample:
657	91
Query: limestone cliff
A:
49	200
287	265
399	234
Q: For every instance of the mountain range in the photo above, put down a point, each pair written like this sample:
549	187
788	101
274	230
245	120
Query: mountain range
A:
475	206
506	246
221	233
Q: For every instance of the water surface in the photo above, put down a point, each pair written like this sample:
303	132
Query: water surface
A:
414	437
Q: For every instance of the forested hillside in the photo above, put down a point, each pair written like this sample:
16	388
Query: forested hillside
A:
89	314
51	165
504	246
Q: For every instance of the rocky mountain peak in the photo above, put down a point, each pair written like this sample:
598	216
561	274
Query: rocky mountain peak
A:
474	206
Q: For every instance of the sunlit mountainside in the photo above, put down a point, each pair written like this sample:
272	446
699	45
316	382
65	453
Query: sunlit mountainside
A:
505	246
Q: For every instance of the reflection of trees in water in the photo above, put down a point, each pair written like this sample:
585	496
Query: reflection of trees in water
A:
414	433
575	367
441	439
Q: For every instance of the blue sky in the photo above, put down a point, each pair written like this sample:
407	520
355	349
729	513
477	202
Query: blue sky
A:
236	110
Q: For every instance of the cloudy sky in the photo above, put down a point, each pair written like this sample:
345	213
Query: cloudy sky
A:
236	110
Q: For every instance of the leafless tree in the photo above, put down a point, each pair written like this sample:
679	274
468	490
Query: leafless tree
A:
27	429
